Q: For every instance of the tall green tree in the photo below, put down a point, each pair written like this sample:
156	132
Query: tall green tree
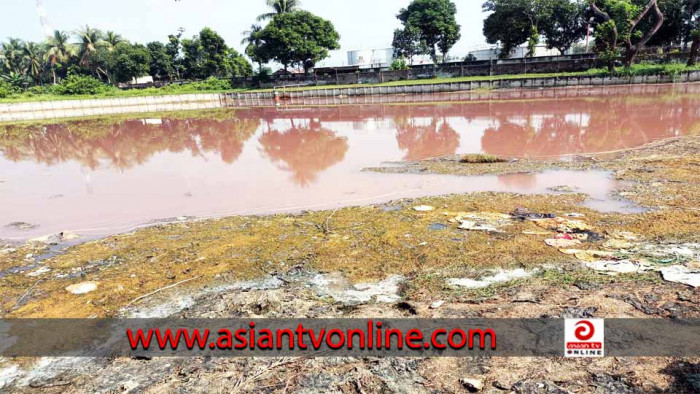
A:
12	52
33	57
621	24
279	7
407	43
173	48
692	9
298	38
564	23
88	41
58	51
514	22
436	21
111	39
251	40
128	61
161	66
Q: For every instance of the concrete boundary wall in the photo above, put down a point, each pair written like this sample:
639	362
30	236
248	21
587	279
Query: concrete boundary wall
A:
110	106
82	108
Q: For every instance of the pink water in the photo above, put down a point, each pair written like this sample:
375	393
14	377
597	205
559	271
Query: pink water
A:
98	177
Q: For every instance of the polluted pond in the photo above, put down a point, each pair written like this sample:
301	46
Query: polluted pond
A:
482	238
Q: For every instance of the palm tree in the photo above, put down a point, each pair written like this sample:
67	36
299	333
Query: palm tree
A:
88	40
58	50
12	51
252	40
33	57
111	39
280	7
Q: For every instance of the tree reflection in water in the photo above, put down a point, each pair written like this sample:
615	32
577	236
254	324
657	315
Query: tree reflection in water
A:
125	144
305	151
420	142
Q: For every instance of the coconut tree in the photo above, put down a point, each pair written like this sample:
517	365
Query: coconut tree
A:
12	51
280	7
251	41
58	50
33	56
111	39
88	40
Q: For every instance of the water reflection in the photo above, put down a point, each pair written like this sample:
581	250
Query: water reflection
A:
437	138
125	144
304	151
114	174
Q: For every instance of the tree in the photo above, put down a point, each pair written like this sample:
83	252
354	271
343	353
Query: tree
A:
514	22
237	65
58	51
693	11
173	49
297	38
129	62
111	39
623	19
88	41
34	59
251	41
12	51
435	19
161	66
214	53
407	43
280	7
564	24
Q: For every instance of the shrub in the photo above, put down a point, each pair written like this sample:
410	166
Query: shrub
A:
6	89
82	84
398	65
211	83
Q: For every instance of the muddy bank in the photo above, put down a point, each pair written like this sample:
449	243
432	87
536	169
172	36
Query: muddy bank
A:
473	255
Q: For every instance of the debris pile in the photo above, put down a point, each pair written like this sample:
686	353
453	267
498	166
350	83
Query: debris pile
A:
611	252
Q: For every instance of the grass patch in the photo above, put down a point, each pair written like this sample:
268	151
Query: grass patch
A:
478	158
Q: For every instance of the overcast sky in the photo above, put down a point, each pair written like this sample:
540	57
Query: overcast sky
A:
362	24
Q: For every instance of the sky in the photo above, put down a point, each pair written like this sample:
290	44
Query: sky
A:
362	24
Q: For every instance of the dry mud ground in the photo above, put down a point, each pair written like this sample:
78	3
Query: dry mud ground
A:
387	260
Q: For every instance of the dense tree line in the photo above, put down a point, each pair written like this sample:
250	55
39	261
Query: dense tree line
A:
620	28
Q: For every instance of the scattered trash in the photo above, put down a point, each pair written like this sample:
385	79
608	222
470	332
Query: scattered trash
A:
564	236
589	255
479	221
82	288
562	243
575	215
523	214
437	227
437	304
39	272
472	385
618	244
423	208
588	236
7	251
562	225
473	226
54	239
617	267
499	276
681	274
